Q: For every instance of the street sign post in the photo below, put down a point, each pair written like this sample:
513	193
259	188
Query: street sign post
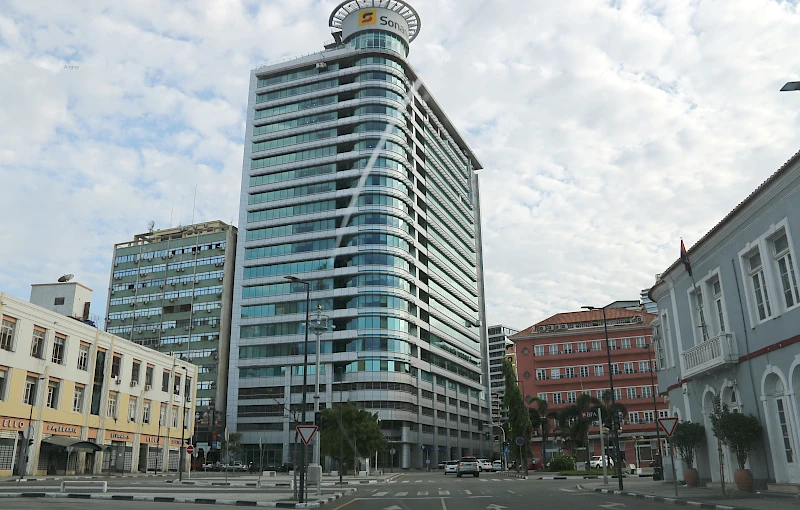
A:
668	425
306	432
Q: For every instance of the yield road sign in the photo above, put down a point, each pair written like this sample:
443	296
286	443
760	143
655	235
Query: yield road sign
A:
306	432
190	449
668	425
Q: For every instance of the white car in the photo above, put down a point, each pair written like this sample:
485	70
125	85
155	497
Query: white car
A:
451	466
485	464
596	462
497	466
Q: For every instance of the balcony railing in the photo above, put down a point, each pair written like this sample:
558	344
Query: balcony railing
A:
716	352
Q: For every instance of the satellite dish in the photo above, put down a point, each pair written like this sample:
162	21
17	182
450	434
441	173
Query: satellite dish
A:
151	225
66	278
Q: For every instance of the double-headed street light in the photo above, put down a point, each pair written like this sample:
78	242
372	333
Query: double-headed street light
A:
305	388
792	85
614	428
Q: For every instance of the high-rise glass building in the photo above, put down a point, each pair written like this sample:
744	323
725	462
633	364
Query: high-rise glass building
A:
355	181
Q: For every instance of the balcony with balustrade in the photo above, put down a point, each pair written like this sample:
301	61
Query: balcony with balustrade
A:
716	352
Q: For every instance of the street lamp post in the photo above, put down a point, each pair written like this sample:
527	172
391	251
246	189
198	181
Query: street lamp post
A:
183	422
318	326
792	85
614	427
502	444
302	490
653	391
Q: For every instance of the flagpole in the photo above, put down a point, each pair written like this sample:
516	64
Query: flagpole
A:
688	267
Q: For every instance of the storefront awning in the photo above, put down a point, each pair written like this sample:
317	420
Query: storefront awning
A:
77	445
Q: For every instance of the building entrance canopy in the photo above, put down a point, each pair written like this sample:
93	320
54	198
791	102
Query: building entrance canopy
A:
77	445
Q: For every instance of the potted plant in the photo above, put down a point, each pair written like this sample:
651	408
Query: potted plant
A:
686	438
741	433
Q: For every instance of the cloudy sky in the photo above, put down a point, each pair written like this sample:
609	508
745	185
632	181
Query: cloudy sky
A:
607	129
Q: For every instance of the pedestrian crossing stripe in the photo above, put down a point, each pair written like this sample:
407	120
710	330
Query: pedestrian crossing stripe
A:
401	494
379	494
422	493
444	493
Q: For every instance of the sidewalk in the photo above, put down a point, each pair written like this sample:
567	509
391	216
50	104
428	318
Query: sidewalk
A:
699	496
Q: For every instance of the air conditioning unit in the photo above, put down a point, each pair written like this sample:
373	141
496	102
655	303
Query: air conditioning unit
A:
142	274
185	283
161	286
134	383
132	303
170	255
112	292
180	343
123	319
147	387
549	328
218	264
541	328
117	381
172	299
163	257
215	325
220	278
186	328
209	310
118	278
173	283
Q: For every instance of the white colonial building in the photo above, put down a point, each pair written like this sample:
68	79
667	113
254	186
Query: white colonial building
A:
736	333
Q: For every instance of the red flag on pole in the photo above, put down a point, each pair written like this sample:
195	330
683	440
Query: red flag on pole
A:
685	259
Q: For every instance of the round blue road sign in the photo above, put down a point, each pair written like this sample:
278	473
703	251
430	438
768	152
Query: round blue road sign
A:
520	441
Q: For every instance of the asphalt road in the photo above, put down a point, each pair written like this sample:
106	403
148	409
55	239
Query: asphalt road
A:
436	491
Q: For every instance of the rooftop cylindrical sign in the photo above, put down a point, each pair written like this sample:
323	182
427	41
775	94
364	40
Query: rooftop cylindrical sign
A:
395	16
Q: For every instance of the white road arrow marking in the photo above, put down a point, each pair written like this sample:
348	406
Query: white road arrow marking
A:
467	492
393	507
494	507
612	506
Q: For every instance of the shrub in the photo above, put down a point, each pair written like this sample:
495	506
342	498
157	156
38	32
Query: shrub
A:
562	463
686	438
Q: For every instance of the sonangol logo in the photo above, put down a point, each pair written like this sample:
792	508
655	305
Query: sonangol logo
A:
367	18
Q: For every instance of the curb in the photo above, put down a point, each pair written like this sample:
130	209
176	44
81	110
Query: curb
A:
513	475
670	501
201	501
104	477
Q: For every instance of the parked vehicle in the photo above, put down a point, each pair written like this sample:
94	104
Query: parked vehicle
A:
484	464
468	465
441	465
237	466
497	466
535	464
596	462
451	466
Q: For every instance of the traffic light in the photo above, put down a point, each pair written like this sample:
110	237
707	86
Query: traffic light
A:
319	421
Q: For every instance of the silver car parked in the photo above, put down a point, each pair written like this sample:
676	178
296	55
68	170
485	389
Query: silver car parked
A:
468	465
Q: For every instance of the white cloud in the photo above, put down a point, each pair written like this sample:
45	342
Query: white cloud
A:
607	129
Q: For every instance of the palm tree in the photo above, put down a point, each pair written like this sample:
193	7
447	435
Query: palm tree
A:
574	427
540	418
607	409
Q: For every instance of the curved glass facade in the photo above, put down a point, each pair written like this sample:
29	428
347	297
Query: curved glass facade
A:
391	257
378	40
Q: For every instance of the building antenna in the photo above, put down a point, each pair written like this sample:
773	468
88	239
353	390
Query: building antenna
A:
171	210
193	203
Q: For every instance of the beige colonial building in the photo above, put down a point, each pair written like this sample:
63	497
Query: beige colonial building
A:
74	399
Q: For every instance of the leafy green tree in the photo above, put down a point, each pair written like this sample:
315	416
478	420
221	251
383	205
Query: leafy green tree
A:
362	433
233	446
540	419
519	420
575	428
686	438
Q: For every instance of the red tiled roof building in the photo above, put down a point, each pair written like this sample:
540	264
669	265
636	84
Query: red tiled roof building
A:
563	356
